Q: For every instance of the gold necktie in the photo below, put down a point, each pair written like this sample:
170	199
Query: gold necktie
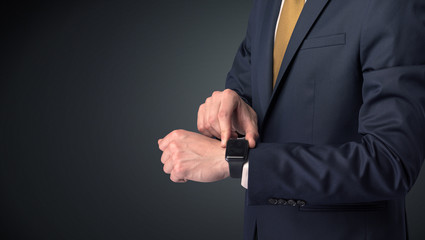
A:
291	10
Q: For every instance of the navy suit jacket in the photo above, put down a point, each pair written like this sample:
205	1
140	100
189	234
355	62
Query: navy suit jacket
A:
342	135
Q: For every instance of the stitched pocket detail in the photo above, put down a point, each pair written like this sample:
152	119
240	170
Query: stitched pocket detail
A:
324	41
352	207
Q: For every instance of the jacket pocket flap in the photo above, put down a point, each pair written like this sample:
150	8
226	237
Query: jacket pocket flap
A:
324	41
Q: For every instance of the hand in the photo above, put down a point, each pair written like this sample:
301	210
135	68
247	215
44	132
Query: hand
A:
192	156
224	115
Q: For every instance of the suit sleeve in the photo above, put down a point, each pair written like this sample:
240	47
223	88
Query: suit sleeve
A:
384	165
239	77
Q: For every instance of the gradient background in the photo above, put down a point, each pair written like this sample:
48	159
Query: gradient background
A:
86	89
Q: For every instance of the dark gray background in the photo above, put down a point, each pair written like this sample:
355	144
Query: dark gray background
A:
86	90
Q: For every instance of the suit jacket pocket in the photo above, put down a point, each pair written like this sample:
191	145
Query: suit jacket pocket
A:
324	41
351	207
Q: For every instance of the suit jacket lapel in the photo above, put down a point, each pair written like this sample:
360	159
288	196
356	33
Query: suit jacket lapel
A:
310	13
264	73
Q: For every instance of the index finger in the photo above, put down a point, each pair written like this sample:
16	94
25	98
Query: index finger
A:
229	103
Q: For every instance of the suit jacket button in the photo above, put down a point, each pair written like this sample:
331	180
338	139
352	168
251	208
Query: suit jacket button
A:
292	203
273	201
301	203
282	201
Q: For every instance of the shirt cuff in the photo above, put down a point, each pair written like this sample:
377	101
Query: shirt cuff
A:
244	179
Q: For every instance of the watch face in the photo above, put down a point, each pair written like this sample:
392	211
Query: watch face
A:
237	148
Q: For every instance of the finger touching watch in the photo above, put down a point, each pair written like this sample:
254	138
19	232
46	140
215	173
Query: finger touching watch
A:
236	156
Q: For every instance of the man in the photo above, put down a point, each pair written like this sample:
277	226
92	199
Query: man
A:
336	128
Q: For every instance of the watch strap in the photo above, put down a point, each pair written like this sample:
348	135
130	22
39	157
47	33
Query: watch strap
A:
235	168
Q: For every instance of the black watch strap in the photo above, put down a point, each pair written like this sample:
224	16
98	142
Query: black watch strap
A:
236	168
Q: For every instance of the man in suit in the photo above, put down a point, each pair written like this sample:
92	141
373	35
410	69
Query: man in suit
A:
336	130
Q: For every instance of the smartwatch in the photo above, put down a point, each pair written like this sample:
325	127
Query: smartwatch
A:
236	156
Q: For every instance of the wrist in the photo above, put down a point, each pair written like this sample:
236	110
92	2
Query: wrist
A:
225	167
